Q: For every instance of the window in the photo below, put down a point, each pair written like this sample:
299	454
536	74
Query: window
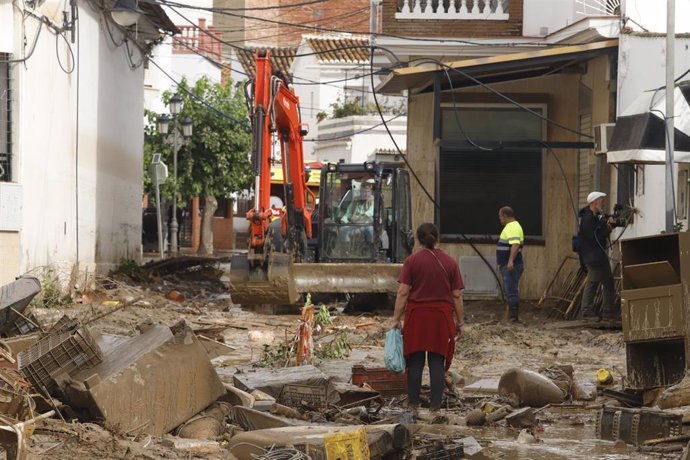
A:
475	183
5	120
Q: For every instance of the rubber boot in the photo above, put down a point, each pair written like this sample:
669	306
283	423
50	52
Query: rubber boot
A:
513	309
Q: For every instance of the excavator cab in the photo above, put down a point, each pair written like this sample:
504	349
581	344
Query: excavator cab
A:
364	214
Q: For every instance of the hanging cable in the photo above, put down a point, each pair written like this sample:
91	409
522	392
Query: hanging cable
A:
242	122
503	96
416	177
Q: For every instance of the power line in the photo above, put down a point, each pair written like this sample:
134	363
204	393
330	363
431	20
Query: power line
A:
276	7
503	96
335	138
376	34
245	123
306	80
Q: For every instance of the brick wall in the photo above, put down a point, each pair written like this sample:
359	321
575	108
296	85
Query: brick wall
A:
452	28
350	15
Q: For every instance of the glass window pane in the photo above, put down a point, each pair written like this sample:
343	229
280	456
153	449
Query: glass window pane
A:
490	123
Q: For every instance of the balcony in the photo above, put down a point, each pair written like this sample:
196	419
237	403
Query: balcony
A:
488	10
198	39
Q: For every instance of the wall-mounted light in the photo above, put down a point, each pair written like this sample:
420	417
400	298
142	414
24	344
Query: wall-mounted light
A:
125	12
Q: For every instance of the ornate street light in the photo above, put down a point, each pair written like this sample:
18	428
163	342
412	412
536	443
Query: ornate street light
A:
181	130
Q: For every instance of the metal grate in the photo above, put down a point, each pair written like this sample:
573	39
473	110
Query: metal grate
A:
5	119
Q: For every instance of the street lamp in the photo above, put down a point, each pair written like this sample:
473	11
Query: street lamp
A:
125	13
178	131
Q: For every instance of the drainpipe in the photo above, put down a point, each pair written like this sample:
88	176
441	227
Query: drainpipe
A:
670	87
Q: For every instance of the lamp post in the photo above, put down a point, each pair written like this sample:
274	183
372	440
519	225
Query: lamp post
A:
181	130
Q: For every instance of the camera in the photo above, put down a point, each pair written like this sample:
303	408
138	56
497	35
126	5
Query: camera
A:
619	220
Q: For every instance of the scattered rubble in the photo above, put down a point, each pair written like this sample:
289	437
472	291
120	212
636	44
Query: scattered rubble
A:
134	373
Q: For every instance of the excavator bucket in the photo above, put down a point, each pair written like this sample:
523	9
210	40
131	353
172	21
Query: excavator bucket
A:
257	285
284	281
341	278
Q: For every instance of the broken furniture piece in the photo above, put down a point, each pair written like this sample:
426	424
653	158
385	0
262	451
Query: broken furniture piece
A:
654	306
149	383
14	298
634	426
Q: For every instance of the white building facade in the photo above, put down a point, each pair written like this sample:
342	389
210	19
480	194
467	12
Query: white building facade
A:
72	137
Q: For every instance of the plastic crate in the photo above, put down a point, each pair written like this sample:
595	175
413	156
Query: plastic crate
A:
314	396
380	379
347	446
438	451
57	354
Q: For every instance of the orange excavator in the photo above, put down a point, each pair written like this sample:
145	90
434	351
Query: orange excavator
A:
332	251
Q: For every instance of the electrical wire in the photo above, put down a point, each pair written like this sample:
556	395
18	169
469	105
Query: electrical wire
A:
242	122
335	138
276	7
503	96
307	81
375	34
42	21
57	53
416	177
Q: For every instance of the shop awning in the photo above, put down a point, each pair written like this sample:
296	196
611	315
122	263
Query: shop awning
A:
493	69
640	133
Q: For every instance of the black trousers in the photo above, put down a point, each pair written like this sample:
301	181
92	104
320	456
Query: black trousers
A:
415	367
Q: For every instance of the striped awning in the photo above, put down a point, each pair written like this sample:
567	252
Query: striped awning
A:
640	132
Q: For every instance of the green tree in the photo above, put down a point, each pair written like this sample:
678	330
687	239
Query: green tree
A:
215	161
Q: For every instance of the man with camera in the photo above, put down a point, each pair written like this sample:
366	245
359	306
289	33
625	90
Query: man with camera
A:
594	230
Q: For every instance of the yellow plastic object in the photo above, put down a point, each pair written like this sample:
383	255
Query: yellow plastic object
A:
489	407
604	377
352	445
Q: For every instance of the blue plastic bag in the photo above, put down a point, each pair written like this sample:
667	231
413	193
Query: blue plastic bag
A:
393	356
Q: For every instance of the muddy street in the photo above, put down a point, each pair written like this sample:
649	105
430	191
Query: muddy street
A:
184	373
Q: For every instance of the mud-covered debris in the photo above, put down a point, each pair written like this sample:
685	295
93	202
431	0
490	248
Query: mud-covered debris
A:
675	396
14	298
272	381
207	425
382	440
521	418
528	388
526	436
471	448
634	426
476	417
175	296
251	419
237	397
149	383
193	446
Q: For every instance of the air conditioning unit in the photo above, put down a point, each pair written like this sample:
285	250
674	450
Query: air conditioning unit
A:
602	137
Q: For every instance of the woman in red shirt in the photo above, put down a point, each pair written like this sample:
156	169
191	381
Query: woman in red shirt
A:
428	295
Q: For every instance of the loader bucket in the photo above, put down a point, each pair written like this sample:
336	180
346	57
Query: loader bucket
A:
257	285
341	278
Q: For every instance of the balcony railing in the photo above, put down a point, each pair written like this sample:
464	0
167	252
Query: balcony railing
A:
198	39
492	10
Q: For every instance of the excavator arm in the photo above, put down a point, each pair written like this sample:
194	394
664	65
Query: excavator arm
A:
275	109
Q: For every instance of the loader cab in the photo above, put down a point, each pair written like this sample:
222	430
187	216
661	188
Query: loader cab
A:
364	214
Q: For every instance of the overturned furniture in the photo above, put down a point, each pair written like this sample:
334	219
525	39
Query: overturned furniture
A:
150	383
654	304
14	298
